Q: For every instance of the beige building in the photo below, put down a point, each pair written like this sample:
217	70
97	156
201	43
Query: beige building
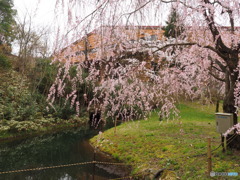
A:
96	45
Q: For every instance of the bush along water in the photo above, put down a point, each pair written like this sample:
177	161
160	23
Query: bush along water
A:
23	102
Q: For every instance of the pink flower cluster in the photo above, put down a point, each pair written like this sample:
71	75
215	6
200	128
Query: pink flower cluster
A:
235	128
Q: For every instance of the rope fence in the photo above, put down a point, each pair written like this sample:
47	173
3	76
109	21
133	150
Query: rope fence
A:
130	177
64	165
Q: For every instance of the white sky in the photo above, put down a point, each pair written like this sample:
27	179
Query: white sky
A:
43	14
41	11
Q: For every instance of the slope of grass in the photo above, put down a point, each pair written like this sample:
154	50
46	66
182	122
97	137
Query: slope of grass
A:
150	145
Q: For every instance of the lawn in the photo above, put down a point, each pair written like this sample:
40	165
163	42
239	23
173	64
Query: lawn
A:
179	145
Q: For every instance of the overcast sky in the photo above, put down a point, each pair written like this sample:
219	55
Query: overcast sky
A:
41	11
44	13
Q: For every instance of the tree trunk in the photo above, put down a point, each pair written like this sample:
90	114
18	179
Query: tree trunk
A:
233	141
217	106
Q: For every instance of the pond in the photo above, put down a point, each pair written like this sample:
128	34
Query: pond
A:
57	149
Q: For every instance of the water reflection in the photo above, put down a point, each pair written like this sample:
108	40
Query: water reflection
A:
52	150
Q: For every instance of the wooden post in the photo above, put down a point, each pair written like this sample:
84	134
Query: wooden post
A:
115	126
222	142
225	143
94	164
217	106
209	156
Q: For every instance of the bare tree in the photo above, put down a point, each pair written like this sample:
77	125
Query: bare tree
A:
31	43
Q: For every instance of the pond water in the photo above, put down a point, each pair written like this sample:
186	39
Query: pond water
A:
57	149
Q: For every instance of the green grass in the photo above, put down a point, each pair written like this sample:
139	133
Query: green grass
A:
152	144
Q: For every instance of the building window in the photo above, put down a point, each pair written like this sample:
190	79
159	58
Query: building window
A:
153	37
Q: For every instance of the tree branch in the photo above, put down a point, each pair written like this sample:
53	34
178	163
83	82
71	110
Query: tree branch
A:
90	14
217	68
192	44
215	33
229	11
223	68
216	77
174	44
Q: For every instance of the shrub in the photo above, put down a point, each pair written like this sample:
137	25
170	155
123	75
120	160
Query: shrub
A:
43	75
15	126
64	111
18	105
4	62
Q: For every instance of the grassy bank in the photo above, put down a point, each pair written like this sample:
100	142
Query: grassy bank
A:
150	145
14	130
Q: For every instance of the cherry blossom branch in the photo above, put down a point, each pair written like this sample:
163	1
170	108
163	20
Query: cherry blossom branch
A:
138	8
189	44
216	77
173	44
223	68
219	70
229	11
215	33
90	14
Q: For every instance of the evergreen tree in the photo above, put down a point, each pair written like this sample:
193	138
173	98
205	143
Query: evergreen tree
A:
173	28
7	21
